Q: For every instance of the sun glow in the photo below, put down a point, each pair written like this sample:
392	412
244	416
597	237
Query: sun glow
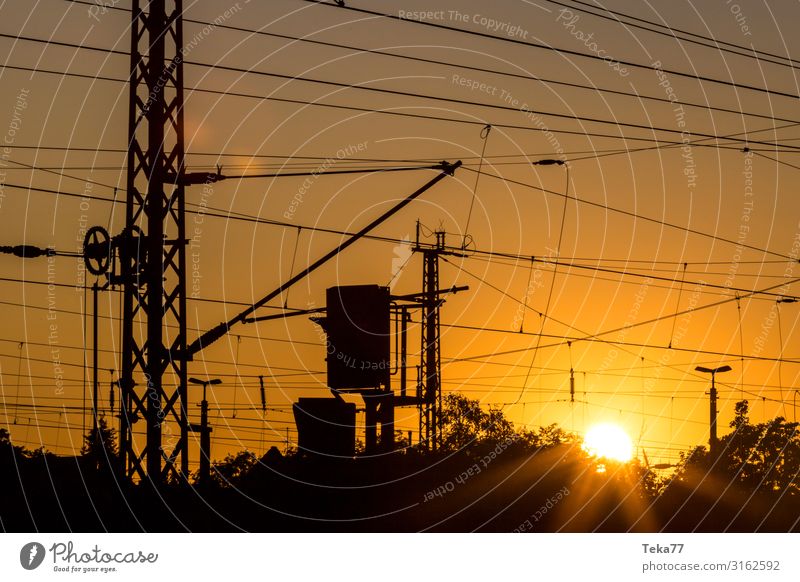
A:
608	441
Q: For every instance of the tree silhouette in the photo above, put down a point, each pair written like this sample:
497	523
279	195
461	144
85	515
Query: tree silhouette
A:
465	423
7	449
100	446
763	457
401	442
5	440
232	468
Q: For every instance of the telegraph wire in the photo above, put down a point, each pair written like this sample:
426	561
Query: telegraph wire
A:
776	160
406	114
231	215
564	203
596	153
564	339
639	216
173	326
626	273
242	216
562	51
546	314
623	281
394	241
595	337
526	77
614	122
485	137
750	51
590	337
471	103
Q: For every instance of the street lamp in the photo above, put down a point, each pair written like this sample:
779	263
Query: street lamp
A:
204	383
712	438
204	429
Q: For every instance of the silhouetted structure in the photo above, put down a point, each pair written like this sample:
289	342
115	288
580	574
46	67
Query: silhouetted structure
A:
325	426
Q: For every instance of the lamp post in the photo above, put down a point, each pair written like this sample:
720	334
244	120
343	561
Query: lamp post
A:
712	438
204	429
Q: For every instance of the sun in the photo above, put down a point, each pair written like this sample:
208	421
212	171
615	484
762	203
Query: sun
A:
608	441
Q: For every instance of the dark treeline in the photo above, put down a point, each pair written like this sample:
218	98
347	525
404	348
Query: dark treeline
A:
489	476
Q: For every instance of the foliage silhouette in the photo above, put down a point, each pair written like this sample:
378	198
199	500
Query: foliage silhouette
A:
762	457
232	468
100	446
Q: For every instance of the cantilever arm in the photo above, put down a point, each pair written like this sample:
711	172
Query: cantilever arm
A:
216	332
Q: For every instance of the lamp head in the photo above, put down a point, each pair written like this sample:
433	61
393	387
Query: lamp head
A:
713	370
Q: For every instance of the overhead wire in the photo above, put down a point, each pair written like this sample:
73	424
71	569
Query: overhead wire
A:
546	314
671	31
543	46
565	205
563	339
678	304
615	122
639	216
218	213
360	50
485	137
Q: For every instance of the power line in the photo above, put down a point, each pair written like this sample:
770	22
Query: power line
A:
51	42
777	161
625	410
626	273
263	365
641	217
614	122
562	51
113	290
490	253
248	218
390	112
564	339
623	281
597	336
354	86
526	77
596	153
750	51
546	314
113	318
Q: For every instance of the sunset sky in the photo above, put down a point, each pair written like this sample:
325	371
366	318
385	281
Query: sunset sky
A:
650	229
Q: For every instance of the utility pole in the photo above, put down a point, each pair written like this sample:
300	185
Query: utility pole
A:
97	259
95	380
153	248
713	442
430	389
205	430
111	394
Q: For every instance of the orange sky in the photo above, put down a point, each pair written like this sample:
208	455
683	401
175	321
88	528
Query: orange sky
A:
652	391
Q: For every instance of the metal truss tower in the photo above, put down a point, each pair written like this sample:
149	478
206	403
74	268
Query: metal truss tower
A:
153	250
431	390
